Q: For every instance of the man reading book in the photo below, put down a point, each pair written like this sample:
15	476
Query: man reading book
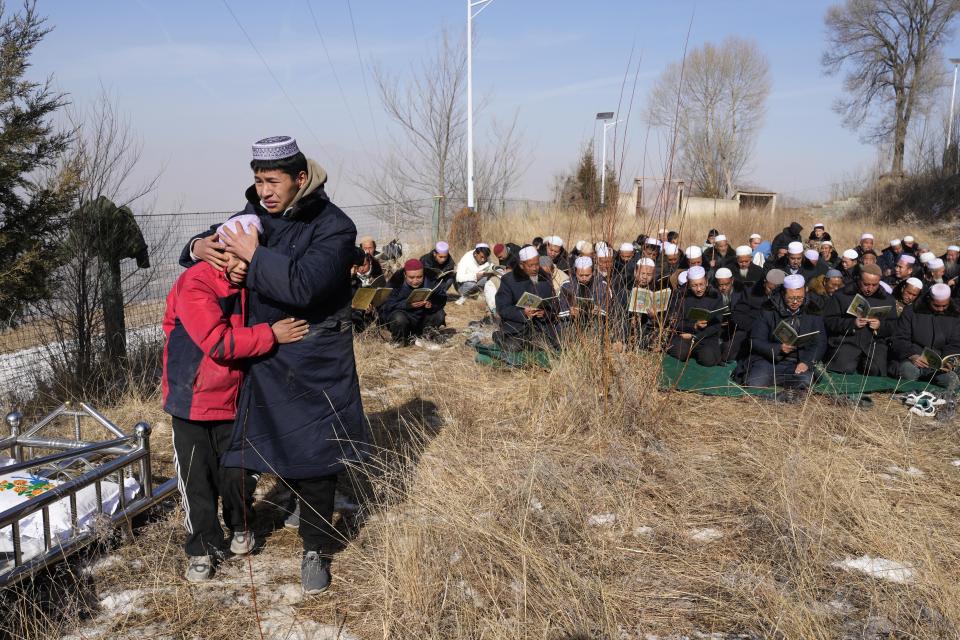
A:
786	339
858	343
415	307
585	298
525	327
695	335
930	325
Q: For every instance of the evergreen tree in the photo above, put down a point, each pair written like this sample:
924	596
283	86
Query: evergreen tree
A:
32	209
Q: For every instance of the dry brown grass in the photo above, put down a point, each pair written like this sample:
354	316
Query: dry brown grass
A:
715	514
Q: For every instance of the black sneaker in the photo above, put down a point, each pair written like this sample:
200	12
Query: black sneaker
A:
314	573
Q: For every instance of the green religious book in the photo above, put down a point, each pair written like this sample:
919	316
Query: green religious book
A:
860	308
367	297
936	361
786	334
697	314
532	301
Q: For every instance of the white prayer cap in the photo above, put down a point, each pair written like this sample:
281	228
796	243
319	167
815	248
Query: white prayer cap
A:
755	235
682	278
811	254
554	240
248	221
601	245
744	250
724	273
936	263
795	281
696	273
646	262
626	246
603	251
580	245
953	247
850	254
866	236
895	242
926	257
886	287
940	292
652	240
442	248
583	262
819	224
720	238
481	245
915	282
908	238
661	231
907	259
670	249
529	252
275	148
795	248
826	242
693	252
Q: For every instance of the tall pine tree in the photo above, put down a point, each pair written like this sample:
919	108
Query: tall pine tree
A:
33	200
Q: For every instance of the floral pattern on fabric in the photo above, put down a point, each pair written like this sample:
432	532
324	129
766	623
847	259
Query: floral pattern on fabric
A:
29	487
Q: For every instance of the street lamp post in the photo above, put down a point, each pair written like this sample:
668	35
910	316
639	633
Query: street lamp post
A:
605	116
474	7
953	96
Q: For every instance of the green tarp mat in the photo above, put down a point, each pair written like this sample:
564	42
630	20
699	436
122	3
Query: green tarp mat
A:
494	356
715	381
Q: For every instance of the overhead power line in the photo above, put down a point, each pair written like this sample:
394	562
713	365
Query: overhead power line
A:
363	75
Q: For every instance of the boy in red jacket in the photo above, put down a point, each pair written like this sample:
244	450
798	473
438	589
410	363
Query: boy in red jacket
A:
202	372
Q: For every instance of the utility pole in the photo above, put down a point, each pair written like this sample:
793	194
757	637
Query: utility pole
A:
474	7
605	116
953	96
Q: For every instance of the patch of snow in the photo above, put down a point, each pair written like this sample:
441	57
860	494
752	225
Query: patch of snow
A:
707	534
123	602
282	622
643	531
956	463
602	519
102	564
878	568
909	471
536	505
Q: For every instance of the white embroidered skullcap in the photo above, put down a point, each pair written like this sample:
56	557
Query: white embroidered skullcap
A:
908	238
940	291
557	241
953	247
850	254
653	241
895	242
696	273
275	148
646	262
819	224
907	258
795	248
682	278
442	248
247	221
936	263
719	238
866	236
724	273
603	251
580	245
886	287
481	245
795	281
812	255
626	246
826	242
744	250
915	282
583	262
755	235
670	249
926	257
528	253
693	252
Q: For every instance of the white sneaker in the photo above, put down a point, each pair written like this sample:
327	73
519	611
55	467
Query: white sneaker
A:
199	569
460	301
242	543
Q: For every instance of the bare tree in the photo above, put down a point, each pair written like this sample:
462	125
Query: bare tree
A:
427	110
715	101
891	50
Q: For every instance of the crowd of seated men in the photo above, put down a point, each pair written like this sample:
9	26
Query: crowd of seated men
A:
777	309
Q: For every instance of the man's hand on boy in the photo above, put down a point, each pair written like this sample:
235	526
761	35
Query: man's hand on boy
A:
210	251
239	242
290	330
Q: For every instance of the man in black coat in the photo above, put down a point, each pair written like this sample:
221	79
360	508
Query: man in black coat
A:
932	323
555	251
440	261
773	362
299	414
859	345
410	320
745	313
744	270
697	338
720	255
789	234
525	328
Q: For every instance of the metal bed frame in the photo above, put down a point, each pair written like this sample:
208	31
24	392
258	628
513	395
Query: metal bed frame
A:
79	463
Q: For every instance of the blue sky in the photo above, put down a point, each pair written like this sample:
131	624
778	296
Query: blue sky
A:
197	94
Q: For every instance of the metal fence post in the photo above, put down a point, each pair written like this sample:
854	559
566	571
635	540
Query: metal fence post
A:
436	218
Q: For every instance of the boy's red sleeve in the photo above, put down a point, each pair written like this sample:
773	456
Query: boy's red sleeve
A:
200	313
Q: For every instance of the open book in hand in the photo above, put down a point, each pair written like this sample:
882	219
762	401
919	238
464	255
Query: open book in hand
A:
786	334
860	308
531	301
648	302
367	297
697	314
589	305
421	294
936	361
